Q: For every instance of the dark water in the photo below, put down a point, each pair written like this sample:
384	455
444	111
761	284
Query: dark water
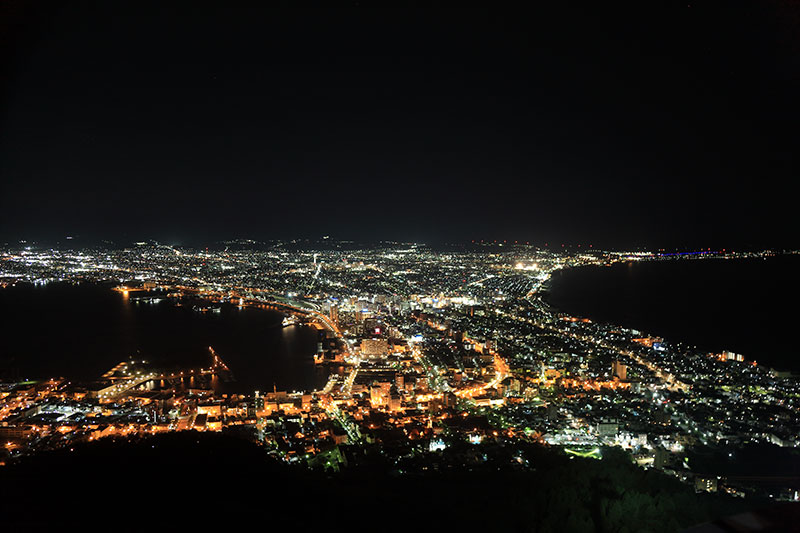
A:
80	332
747	306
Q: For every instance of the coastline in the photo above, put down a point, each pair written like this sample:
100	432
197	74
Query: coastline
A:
139	326
638	313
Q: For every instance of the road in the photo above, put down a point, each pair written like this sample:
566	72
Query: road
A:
671	381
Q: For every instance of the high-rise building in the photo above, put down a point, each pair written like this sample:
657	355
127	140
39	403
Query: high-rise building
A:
619	370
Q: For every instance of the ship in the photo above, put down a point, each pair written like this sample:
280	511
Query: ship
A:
289	321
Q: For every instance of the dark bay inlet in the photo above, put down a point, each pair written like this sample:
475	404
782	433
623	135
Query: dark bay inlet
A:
81	331
748	306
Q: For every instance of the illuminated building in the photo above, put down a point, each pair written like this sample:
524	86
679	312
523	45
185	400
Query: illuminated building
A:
209	409
705	484
619	370
607	428
374	347
377	396
730	356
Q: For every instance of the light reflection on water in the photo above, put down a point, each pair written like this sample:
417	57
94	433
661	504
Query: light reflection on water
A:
80	332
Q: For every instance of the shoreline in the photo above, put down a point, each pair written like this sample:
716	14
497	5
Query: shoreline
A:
199	307
545	296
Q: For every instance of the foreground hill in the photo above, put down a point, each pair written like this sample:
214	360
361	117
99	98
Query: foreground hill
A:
210	481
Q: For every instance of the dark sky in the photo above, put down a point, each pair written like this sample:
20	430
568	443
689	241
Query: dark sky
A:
666	127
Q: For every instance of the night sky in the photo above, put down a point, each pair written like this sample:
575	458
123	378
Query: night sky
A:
668	127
